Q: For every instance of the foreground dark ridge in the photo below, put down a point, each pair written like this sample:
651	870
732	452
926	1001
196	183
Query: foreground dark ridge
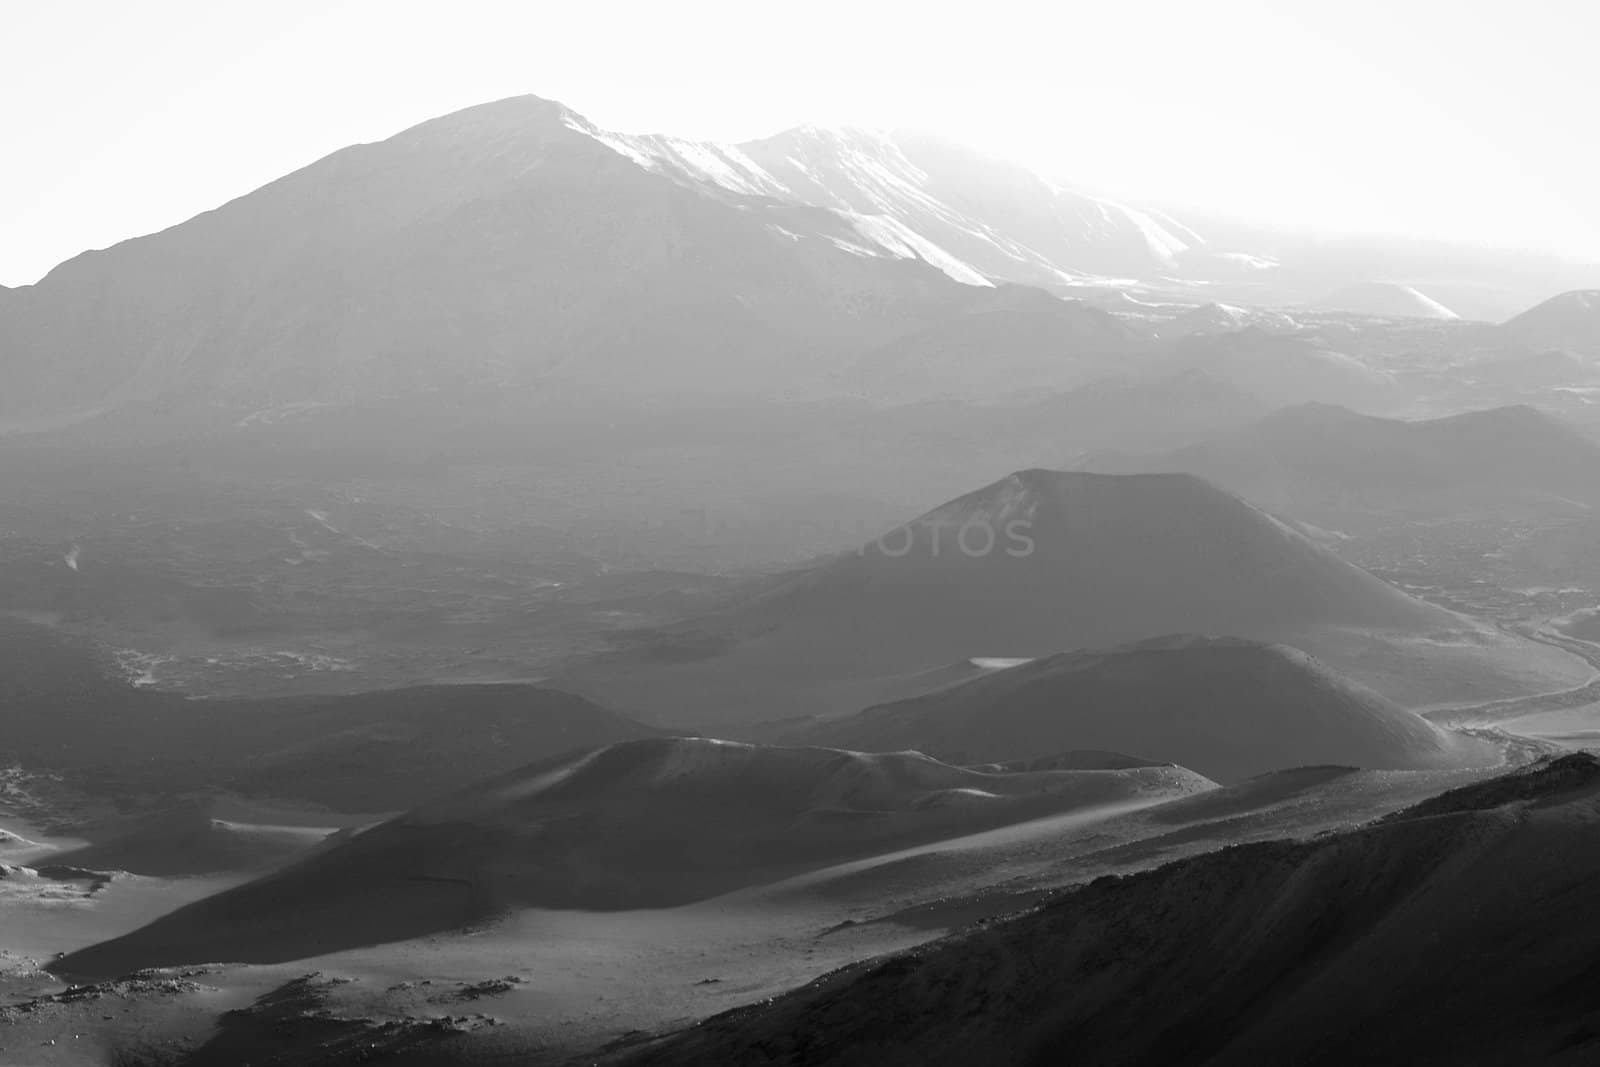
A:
1460	932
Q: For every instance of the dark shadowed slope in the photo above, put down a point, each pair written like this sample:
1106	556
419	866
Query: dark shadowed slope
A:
365	752
638	824
1226	707
1330	465
1463	937
1042	562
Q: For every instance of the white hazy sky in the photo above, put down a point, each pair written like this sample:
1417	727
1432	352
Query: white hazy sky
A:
1471	119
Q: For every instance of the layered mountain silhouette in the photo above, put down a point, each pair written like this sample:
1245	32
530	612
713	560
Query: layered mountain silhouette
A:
384	750
1047	561
514	253
637	824
1460	931
1226	707
1282	368
1329	465
511	247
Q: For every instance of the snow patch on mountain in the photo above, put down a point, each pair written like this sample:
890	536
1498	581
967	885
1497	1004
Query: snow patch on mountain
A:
975	217
891	233
700	161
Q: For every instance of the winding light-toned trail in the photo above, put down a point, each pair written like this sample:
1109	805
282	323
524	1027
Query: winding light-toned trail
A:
1496	712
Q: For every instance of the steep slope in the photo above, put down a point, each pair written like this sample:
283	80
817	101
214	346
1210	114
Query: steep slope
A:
1332	466
1225	707
1389	300
510	249
637	824
1042	562
1461	937
1570	321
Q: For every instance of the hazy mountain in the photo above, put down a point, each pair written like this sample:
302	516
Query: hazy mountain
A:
1225	707
1458	932
639	824
1570	321
1281	369
1013	344
1389	300
508	251
1042	562
514	253
1281	265
1329	465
